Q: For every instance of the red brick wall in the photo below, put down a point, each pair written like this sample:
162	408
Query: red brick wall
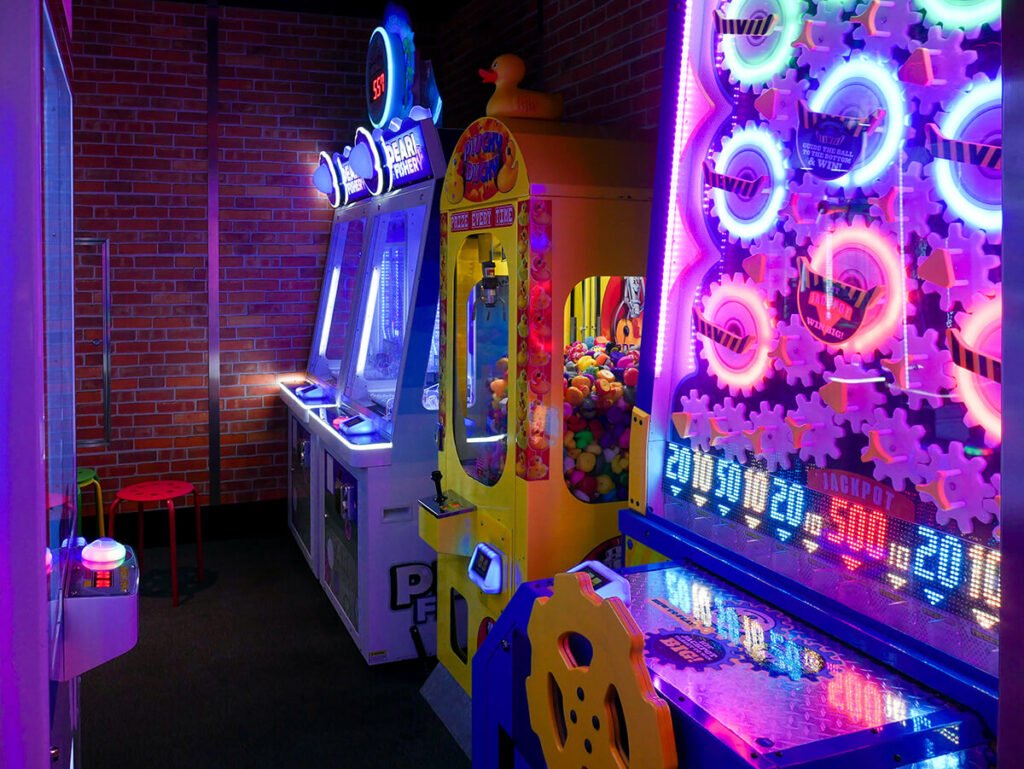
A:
604	56
290	85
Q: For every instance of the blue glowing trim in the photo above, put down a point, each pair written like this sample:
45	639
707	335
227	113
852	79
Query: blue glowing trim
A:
389	103
884	81
967	15
971	211
765	143
335	198
776	57
437	111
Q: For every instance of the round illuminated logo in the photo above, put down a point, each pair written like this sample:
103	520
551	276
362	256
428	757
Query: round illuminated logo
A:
385	67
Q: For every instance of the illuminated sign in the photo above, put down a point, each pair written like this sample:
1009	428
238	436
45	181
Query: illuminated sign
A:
385	69
483	218
405	156
866	527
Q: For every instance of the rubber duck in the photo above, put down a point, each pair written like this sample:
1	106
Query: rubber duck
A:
509	100
454	185
509	172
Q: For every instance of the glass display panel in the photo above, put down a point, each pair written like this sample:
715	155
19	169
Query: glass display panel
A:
603	319
480	412
330	340
378	337
842	353
431	381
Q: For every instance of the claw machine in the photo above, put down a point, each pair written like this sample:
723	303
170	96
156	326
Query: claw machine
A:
815	540
543	233
361	422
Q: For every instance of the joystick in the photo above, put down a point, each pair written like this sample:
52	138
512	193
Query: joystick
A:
436	476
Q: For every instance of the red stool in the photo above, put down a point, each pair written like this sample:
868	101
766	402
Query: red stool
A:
166	492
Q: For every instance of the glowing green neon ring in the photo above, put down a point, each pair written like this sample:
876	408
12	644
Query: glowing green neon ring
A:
777	55
967	14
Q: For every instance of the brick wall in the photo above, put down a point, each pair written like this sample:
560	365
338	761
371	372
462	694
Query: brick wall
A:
290	85
604	56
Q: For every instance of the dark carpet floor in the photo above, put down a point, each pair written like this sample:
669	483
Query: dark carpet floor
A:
253	670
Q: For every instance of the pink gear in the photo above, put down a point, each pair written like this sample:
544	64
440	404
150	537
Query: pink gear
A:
777	104
696	407
957	268
728	425
853	392
917	205
798	353
982	330
954	483
771	264
883	24
814	430
770	437
949	62
894	447
737	305
822	40
927	376
994	506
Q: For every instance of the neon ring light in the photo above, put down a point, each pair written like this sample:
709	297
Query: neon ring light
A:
983	331
375	183
385	71
968	14
738	307
862	257
860	86
974	193
326	179
749	153
756	60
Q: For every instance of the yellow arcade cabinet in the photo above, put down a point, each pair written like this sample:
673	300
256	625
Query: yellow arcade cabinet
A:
543	236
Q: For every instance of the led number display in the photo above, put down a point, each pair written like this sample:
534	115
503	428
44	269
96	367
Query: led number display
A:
868	529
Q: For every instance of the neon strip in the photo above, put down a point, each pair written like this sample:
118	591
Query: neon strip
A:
335	199
325	331
969	15
378	168
389	104
371	306
680	138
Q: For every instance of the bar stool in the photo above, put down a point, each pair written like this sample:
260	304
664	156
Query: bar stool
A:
166	492
89	477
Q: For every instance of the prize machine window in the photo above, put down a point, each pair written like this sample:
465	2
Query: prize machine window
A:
330	340
379	338
480	413
845	349
431	381
603	319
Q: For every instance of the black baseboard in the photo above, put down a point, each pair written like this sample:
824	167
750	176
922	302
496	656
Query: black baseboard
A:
249	520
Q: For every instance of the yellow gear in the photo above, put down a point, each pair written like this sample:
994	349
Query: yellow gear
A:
590	695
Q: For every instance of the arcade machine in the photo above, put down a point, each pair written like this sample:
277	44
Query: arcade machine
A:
360	423
533	426
814	544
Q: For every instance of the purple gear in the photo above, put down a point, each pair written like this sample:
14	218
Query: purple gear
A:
696	405
798	354
800	208
949	62
972	267
815	431
790	90
928	378
962	318
770	437
827	32
863	395
992	506
730	417
893	21
894	447
917	203
780	266
954	483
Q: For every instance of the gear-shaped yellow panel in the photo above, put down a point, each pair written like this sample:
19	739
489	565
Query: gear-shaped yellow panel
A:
591	699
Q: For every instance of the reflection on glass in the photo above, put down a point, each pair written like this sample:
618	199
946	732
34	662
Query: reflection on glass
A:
603	319
431	383
480	413
384	308
343	254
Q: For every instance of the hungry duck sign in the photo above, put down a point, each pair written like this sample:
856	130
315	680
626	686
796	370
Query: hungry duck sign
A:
485	162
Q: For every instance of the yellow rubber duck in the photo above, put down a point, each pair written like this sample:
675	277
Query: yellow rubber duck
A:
509	172
509	100
454	185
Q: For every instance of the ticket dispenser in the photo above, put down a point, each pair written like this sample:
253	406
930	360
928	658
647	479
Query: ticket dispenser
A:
100	606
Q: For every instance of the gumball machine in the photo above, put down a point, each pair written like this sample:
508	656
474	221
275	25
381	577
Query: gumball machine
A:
543	240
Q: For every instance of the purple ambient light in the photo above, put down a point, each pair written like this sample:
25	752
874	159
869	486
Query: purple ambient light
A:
103	554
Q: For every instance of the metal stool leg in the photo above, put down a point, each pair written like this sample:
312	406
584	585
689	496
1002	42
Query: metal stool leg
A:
113	512
99	507
199	534
174	553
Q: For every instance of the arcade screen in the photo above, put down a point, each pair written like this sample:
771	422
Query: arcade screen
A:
329	337
840	418
378	340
